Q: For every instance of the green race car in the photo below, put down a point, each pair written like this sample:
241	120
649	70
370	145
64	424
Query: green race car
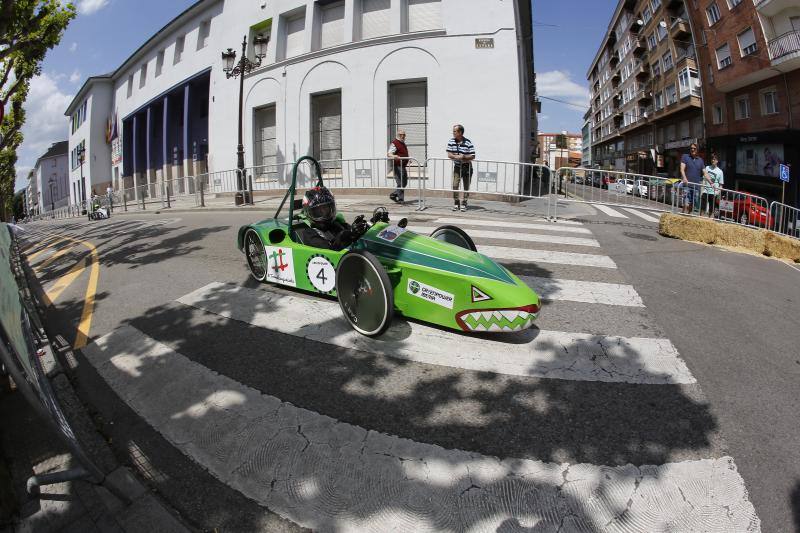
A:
440	279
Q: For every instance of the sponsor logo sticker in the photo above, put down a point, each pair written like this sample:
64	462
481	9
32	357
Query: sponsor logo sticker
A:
390	233
430	294
321	273
280	265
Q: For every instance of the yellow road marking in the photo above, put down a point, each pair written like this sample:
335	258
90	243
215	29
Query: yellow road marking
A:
50	259
64	282
34	255
85	324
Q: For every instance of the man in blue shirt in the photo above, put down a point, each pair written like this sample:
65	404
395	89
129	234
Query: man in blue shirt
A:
692	166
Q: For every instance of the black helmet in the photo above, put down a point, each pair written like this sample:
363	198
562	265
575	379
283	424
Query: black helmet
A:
319	205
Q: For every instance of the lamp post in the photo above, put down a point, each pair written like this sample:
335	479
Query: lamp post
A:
81	152
233	70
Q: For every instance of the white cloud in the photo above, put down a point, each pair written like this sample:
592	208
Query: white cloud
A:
75	76
73	47
558	84
45	122
88	7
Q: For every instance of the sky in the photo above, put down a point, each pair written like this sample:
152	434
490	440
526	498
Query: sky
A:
105	32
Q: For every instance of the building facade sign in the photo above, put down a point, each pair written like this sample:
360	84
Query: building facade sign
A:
487	42
683	143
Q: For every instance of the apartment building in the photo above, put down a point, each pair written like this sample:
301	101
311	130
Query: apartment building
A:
586	135
560	149
750	59
645	89
337	80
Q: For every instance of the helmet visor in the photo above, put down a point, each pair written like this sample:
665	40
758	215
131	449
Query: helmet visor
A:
322	212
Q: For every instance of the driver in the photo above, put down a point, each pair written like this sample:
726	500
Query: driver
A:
323	229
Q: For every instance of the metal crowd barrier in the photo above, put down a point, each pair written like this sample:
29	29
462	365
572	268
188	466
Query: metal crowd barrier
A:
785	219
22	342
726	205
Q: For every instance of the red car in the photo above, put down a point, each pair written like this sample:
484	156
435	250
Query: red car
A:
746	210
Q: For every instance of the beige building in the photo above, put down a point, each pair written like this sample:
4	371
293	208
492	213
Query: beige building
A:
645	87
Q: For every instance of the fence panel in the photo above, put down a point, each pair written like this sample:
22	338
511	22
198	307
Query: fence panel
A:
785	219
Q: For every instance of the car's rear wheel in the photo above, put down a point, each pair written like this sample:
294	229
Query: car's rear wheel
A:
256	257
454	235
365	293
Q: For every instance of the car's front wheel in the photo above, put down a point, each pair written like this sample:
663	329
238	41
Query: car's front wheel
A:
256	256
365	292
454	235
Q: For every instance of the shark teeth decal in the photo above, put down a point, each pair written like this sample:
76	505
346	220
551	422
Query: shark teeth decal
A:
498	320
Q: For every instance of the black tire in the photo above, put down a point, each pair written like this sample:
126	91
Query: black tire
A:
365	293
454	235
253	250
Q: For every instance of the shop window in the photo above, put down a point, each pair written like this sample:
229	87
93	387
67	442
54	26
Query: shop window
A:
424	15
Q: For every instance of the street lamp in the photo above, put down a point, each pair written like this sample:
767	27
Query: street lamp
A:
233	70
81	152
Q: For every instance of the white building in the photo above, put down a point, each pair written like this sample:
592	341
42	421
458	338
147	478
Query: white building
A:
49	182
338	79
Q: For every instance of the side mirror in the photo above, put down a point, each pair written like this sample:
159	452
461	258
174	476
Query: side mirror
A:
403	222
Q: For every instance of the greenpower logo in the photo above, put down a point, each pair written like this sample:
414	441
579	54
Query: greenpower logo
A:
414	287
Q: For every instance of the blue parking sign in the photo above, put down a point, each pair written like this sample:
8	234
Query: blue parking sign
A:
784	173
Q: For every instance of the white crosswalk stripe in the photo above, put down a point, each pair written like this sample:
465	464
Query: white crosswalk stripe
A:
506	254
609	211
329	475
551	354
641	214
584	291
570	226
506	235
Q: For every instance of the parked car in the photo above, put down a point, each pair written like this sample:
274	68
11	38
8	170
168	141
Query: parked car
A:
641	188
746	210
607	181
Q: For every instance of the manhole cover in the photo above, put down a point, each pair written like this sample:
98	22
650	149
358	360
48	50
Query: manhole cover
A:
640	236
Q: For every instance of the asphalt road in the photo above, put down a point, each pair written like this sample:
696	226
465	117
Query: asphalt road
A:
732	318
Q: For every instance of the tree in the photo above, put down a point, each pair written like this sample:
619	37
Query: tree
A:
18	207
28	29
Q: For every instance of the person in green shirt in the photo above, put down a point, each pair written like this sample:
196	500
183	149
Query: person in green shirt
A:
713	179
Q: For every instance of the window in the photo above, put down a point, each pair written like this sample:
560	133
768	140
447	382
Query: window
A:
375	18
130	85
75	160
671	133
710	74
424	15
685	130
647	14
142	76
408	110
672	94
667	60
769	101
202	34
661	32
697	127
723	56
326	127
159	63
179	43
741	107
659	100
265	144
654	5
733	3
656	69
651	41
712	12
294	36
747	42
331	25
689	82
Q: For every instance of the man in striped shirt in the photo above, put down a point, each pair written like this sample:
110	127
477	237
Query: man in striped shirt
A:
462	152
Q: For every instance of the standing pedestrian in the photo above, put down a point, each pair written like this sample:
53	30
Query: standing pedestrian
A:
691	174
398	153
110	197
713	179
462	152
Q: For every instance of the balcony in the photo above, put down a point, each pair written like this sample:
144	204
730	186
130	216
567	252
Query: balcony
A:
638	46
643	96
770	8
614	61
642	72
784	50
616	76
685	55
679	29
636	25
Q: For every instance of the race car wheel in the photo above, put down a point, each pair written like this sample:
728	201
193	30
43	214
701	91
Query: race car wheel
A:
454	235
365	293
256	257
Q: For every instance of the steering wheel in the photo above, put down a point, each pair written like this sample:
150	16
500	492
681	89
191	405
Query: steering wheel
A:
381	214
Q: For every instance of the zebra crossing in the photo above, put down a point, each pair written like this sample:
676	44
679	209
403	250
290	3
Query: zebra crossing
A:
329	473
617	212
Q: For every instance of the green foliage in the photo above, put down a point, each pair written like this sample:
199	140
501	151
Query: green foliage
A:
28	29
18	207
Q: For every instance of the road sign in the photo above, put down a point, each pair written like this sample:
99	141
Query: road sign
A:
784	173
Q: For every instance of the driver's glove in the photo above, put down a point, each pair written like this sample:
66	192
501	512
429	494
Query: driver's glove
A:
359	226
